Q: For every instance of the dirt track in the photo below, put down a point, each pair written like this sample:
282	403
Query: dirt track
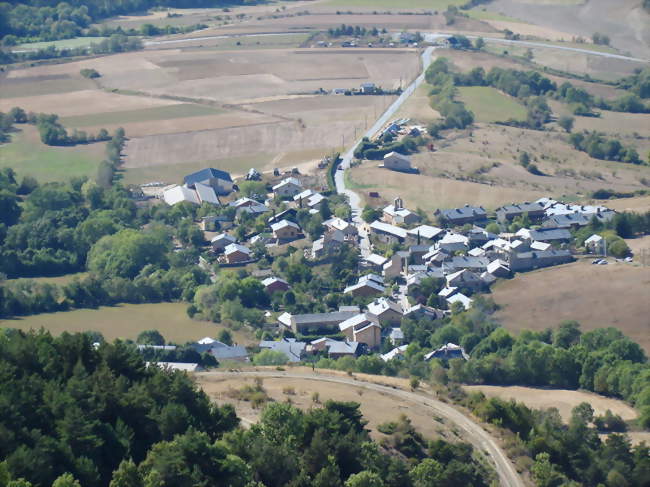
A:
474	433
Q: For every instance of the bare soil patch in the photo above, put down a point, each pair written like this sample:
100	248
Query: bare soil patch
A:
596	296
562	399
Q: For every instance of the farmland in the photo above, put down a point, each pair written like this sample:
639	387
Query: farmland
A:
27	155
126	322
595	296
63	43
490	105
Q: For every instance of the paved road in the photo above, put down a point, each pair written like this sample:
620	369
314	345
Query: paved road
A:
433	36
355	199
472	432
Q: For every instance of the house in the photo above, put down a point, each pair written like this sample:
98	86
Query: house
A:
420	311
464	279
236	253
285	320
553	207
329	243
287	188
365	287
424	234
453	242
393	267
198	195
275	284
447	292
479	236
477	264
387	233
595	244
286	230
396	214
290	347
534	210
349	229
395	335
395	353
388	312
220	181
447	352
569	220
461	216
221	241
549	235
220	350
397	162
460	298
374	262
362	328
526	261
417	253
498	268
313	322
254	209
335	348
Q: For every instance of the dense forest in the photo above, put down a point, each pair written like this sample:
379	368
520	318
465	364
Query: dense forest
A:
75	414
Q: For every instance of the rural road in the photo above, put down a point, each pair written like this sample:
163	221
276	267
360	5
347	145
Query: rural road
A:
346	158
472	432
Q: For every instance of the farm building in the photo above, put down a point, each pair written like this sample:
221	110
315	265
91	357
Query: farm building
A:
196	195
397	162
219	181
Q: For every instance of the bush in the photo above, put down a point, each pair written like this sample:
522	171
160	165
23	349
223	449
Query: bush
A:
270	357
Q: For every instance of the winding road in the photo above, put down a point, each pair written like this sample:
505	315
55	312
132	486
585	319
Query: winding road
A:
472	432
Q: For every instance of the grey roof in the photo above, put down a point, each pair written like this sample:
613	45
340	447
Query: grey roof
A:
469	262
336	347
288	346
519	208
464	212
222	351
544	254
544	234
206	194
156	347
333	317
205	174
563	221
389	229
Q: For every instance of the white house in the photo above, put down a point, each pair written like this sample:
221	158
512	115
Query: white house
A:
397	162
288	187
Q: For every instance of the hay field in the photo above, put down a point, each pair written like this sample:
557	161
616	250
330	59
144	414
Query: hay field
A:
418	107
126	322
490	105
613	123
594	295
27	155
562	399
217	387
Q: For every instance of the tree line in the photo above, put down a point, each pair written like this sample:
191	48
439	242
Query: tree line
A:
98	416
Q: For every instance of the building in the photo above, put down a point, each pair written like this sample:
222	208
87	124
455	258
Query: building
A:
397	162
569	220
196	195
424	234
387	233
395	353
549	235
275	284
221	241
498	268
290	347
366	287
286	230
373	262
328	244
453	242
464	279
335	348
220	350
287	188
447	352
220	181
396	214
236	254
595	244
315	322
349	229
461	216
182	366
388	312
460	298
368	88
534	210
526	261
362	328
477	264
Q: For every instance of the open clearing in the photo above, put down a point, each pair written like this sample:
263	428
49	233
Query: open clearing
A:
126	322
490	105
27	155
596	296
217	388
562	399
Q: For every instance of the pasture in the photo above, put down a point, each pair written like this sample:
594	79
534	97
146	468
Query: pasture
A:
596	296
127	322
62	43
562	399
490	105
27	155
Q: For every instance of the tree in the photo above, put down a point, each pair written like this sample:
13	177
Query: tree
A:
566	122
150	337
364	479
225	336
9	209
428	473
126	475
270	357
545	473
479	43
66	480
493	228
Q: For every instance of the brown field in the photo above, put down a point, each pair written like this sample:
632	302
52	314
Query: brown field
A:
614	123
417	107
640	248
562	399
217	388
596	296
126	322
482	168
638	204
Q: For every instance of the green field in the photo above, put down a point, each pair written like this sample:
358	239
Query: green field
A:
59	280
62	43
482	14
27	155
17	88
257	42
127	321
181	110
403	5
490	105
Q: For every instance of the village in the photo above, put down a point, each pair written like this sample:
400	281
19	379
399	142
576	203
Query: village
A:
409	264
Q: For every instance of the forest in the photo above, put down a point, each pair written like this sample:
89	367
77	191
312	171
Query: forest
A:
76	414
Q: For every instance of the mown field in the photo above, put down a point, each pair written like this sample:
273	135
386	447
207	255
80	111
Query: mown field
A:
596	296
127	322
62	43
27	155
490	105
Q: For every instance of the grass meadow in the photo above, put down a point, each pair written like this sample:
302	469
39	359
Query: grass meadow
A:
62	43
490	105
